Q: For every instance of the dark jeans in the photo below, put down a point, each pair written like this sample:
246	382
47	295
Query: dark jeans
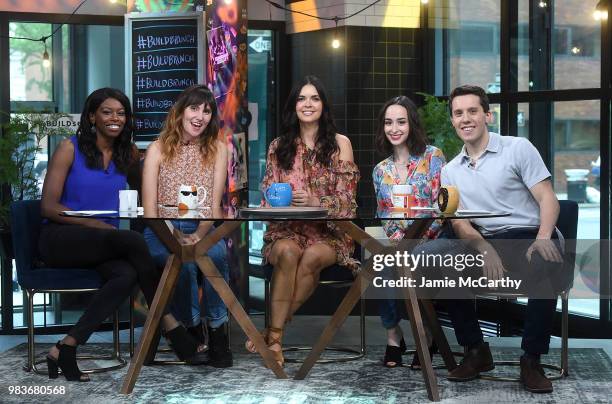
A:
121	257
538	314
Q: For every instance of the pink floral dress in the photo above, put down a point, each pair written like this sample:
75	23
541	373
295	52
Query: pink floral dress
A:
334	185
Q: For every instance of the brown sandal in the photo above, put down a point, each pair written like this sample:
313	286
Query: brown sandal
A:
270	341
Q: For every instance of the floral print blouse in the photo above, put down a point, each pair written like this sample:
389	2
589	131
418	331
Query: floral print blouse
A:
335	185
424	178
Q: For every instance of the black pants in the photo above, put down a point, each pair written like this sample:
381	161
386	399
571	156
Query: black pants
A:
538	314
121	257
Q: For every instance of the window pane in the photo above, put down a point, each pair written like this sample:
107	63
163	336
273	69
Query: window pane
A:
576	176
576	44
30	80
473	43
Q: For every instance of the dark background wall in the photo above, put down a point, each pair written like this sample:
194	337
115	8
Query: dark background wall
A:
373	65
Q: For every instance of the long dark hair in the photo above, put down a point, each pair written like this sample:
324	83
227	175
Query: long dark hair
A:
326	145
417	139
123	148
170	136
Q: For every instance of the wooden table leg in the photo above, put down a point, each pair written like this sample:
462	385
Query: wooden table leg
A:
225	293
164	290
420	339
431	318
360	284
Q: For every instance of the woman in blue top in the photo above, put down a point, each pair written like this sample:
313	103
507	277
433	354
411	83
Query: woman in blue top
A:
87	172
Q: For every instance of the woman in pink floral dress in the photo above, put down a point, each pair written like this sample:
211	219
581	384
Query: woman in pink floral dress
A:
318	163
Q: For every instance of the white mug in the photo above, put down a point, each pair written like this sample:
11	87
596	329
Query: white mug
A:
191	197
128	200
401	194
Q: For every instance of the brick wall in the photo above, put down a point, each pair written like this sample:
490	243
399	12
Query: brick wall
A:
373	65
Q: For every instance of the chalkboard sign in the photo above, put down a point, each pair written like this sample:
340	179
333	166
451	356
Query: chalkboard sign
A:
166	57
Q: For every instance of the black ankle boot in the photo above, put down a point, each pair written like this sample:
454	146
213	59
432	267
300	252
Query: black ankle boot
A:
185	346
197	332
218	347
66	361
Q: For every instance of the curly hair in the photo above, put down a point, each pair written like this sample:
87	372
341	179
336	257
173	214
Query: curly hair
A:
170	136
326	145
124	152
417	139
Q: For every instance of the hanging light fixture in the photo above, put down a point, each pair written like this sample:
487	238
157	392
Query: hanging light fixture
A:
45	59
335	42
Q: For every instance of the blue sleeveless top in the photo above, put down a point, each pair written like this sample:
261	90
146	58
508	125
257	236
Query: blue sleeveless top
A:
92	189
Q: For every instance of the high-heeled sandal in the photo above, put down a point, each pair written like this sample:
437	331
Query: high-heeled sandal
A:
393	354
66	361
416	363
270	341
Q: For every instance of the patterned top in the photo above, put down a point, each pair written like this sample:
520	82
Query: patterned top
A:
336	188
186	168
423	176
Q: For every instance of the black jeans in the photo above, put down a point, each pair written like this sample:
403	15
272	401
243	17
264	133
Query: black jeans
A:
121	257
539	313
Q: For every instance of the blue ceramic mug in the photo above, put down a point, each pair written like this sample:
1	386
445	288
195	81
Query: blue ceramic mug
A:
279	194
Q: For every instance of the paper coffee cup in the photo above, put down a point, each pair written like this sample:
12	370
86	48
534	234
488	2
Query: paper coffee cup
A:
128	200
401	196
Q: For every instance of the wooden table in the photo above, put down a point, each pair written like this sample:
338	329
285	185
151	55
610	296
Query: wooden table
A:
181	253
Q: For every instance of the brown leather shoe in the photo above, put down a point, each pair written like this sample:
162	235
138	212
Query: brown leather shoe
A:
476	360
533	377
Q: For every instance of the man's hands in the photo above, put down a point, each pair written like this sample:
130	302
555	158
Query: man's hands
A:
493	266
546	248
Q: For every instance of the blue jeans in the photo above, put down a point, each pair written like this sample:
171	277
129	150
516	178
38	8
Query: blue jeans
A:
390	312
185	305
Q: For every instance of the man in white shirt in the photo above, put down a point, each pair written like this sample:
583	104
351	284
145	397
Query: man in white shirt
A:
501	173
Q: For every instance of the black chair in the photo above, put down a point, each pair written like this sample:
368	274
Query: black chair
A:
568	225
25	229
338	277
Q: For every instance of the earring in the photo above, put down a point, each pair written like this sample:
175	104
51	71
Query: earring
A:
93	128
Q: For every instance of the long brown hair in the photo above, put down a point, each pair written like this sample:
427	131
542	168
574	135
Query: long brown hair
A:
170	136
417	139
326	144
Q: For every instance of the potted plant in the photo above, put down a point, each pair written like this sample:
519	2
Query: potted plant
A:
22	166
436	122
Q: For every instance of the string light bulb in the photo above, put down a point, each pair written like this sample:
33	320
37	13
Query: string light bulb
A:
113	1
601	11
45	59
335	42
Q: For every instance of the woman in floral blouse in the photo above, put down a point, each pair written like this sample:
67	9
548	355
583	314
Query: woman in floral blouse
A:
318	163
412	162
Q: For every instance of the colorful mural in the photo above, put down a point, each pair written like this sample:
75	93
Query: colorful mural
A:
226	76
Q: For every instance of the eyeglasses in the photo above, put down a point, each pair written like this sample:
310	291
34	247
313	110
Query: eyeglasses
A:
186	193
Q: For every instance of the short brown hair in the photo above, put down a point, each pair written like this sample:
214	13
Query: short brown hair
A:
468	89
417	139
